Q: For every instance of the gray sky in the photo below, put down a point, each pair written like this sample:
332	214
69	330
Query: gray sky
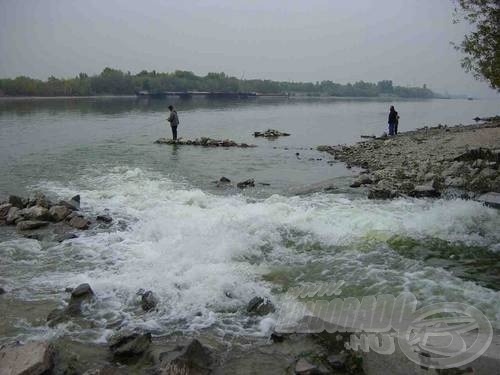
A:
308	40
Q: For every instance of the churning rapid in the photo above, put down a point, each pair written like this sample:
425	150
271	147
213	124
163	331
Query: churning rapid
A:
206	255
205	252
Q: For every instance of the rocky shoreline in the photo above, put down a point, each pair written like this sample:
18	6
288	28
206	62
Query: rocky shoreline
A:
204	142
428	162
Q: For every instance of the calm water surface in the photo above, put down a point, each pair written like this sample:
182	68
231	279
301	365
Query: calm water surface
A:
205	251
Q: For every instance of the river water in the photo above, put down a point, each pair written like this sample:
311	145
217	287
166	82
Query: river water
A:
206	251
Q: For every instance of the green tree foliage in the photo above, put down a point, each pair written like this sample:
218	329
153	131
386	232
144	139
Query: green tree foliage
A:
482	46
115	82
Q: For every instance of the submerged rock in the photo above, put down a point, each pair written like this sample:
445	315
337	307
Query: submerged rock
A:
424	191
260	306
104	218
245	184
382	193
270	133
33	358
80	294
2	291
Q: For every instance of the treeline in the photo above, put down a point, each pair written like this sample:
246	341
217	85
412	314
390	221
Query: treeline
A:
116	82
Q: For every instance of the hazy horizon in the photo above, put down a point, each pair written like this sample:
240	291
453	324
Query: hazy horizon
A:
405	41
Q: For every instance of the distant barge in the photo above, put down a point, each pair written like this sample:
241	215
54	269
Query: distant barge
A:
208	94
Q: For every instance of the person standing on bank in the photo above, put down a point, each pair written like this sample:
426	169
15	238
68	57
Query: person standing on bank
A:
393	121
174	121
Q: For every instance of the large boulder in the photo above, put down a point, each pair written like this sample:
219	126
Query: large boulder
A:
34	358
31	224
59	212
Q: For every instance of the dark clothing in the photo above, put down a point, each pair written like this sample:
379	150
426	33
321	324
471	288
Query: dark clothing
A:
174	121
173	118
393	122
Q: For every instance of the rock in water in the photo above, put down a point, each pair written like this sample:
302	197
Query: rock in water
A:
16	201
104	218
36	213
490	199
73	203
127	345
260	306
4	210
31	224
247	183
148	301
82	291
2	291
424	191
59	213
304	367
12	216
79	222
271	133
194	359
34	358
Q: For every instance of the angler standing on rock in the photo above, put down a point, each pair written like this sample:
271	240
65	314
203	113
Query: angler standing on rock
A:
393	121
174	121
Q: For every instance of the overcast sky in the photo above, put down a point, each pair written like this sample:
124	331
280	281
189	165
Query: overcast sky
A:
407	41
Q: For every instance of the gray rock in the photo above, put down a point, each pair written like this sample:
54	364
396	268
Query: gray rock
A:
13	215
127	345
488	173
31	224
16	201
424	191
41	200
2	291
33	358
194	359
79	222
224	180
82	291
245	184
260	306
104	218
148	301
454	182
59	213
36	213
491	199
73	203
4	210
65	236
304	367
480	184
382	193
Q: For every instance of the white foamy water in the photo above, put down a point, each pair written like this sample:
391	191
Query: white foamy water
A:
205	256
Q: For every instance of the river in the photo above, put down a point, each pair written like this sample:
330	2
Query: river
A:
206	251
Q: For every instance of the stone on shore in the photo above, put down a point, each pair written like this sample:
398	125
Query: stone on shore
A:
31	224
33	358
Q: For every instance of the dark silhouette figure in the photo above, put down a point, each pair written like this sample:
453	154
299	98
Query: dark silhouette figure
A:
393	121
174	121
